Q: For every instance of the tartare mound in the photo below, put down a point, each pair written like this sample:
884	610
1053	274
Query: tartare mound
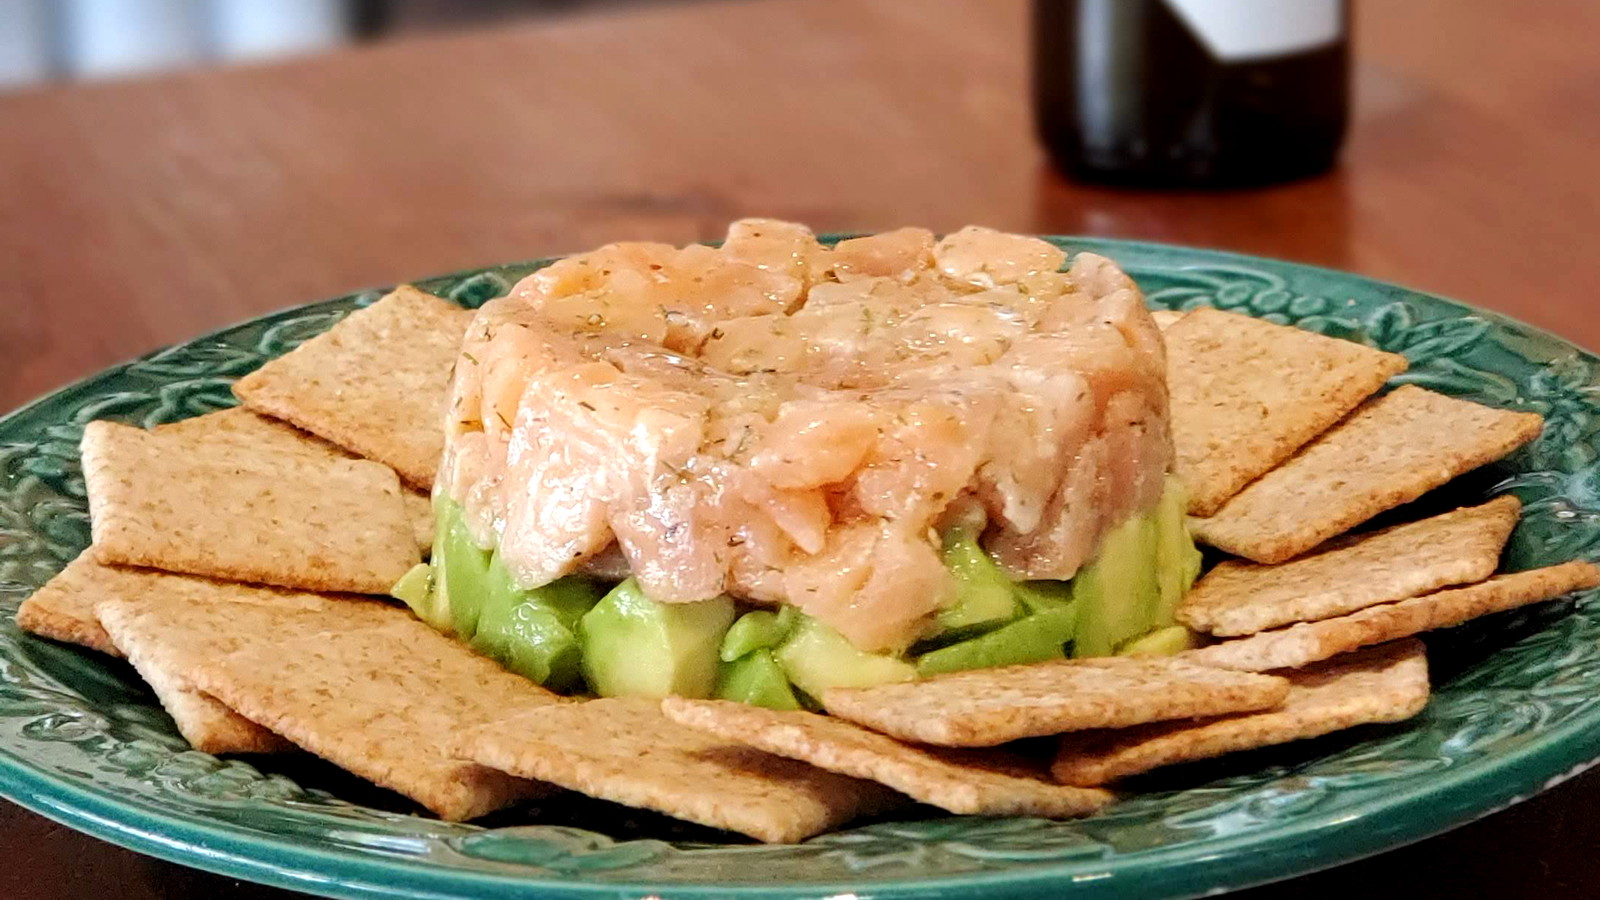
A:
794	424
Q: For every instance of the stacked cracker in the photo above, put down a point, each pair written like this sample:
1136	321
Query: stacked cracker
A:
229	551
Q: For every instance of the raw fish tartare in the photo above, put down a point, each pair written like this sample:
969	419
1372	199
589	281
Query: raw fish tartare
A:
899	451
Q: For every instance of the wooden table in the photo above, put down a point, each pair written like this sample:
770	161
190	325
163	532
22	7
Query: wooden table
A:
137	214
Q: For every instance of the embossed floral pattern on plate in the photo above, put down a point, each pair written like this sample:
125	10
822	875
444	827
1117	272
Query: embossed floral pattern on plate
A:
1517	704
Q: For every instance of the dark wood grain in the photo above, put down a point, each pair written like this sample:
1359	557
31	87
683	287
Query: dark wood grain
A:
137	214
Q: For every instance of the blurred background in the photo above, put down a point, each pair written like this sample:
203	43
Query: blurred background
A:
44	40
169	166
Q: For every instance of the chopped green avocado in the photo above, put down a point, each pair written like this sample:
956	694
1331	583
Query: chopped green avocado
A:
1037	596
1034	638
756	679
532	641
815	657
462	574
434	609
1117	592
534	632
984	596
415	589
1169	641
1177	558
567	598
1133	587
635	646
757	629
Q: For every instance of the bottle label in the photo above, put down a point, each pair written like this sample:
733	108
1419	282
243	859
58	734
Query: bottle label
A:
1251	29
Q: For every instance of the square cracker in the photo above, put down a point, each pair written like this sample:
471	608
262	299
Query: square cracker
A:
626	751
1390	451
359	683
207	724
1311	642
1166	318
183	502
63	609
1247	393
376	383
419	509
1458	547
964	782
1381	684
992	706
239	425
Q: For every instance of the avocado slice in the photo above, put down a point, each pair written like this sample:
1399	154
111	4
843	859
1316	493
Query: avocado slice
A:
415	589
984	595
1168	641
816	657
1118	592
633	646
434	608
534	632
757	629
1037	596
533	642
567	598
756	679
461	573
1177	558
1033	638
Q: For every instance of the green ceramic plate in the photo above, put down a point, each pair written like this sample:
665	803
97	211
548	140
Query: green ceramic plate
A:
1517	707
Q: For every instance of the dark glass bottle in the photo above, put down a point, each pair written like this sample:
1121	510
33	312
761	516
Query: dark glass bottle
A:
1191	92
